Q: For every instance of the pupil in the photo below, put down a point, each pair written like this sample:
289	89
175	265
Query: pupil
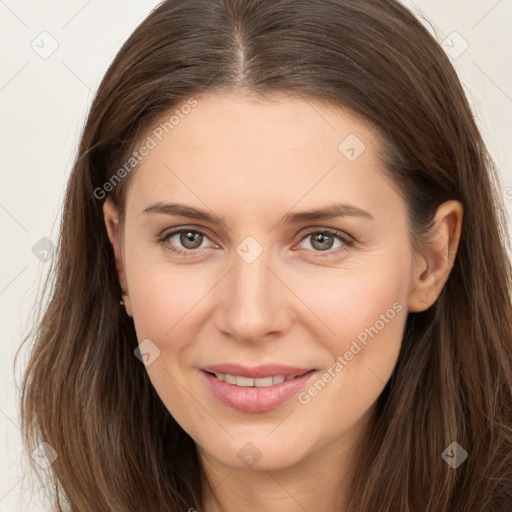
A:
191	238
322	239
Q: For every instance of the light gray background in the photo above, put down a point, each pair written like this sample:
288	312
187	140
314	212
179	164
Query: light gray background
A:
43	104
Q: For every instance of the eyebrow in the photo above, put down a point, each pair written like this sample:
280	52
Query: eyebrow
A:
329	212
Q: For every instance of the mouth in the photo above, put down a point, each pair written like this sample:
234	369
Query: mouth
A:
257	390
255	382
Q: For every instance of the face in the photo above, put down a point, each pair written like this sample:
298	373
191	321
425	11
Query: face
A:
230	302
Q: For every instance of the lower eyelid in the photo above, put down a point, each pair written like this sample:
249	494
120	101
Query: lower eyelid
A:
344	240
346	243
338	236
165	238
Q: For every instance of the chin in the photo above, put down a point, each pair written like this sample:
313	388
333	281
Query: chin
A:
259	453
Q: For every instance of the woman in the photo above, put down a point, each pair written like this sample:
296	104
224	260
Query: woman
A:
282	280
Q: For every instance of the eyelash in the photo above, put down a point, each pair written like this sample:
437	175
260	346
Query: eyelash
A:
163	240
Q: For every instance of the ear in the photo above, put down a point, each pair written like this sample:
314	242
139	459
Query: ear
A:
432	268
111	218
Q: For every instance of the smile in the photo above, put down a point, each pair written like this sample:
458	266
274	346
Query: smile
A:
263	382
256	394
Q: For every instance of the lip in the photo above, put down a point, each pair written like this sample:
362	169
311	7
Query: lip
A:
256	372
254	399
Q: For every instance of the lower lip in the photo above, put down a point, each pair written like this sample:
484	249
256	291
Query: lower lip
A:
253	399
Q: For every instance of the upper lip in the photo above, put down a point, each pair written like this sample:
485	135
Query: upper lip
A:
256	372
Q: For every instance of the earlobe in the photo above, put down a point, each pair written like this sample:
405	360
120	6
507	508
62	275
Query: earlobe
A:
432	268
111	218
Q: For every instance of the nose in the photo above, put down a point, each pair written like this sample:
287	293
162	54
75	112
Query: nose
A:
254	302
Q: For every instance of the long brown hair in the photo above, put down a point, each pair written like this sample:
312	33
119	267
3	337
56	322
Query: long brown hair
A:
84	392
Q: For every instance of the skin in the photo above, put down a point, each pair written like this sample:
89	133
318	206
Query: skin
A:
251	162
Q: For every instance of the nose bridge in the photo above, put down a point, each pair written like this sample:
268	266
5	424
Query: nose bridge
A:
251	283
253	300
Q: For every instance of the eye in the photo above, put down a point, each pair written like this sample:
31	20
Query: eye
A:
186	241
189	242
323	241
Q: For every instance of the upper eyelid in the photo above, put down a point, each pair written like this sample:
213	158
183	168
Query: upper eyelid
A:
346	238
175	231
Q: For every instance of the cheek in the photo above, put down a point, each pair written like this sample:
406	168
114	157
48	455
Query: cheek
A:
367	315
347	304
361	319
164	295
168	309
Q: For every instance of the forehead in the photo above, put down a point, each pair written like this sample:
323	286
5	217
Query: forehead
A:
284	149
279	120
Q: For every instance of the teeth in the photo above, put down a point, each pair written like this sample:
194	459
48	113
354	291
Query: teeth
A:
249	382
244	381
230	379
263	383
